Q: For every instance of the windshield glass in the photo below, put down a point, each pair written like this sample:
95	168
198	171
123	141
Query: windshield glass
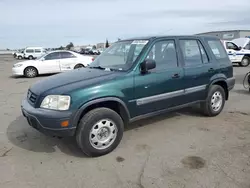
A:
120	56
42	56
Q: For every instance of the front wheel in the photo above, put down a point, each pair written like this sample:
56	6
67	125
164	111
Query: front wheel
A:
30	72
99	132
215	101
245	61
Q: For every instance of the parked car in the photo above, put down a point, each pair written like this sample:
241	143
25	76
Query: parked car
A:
34	52
237	54
158	74
19	55
53	62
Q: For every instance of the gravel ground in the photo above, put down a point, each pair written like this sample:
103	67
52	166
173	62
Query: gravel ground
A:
177	150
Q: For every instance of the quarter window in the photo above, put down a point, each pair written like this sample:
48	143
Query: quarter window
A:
164	54
191	52
218	49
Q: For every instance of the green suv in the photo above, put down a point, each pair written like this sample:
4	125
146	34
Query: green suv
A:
131	80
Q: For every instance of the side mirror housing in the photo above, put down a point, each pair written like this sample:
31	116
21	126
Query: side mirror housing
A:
240	48
147	65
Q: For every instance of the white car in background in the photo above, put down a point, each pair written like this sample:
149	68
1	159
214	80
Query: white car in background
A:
237	54
33	52
53	62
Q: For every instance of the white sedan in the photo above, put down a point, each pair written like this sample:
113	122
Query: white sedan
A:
52	62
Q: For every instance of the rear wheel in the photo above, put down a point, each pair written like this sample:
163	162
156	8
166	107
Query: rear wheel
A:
30	57
215	101
30	72
20	57
245	61
99	132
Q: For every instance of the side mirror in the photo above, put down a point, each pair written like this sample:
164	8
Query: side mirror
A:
240	48
147	65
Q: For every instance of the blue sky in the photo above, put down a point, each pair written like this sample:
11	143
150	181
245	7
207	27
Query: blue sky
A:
52	23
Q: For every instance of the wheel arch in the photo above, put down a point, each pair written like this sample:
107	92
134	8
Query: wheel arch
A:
221	82
30	66
113	103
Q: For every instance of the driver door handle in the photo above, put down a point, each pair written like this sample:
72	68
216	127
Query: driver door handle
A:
176	75
211	70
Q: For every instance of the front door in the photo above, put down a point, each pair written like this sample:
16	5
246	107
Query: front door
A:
163	86
50	63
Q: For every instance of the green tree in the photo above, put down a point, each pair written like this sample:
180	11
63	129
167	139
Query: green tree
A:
94	47
107	43
69	46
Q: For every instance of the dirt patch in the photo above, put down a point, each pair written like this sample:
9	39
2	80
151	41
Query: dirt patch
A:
193	162
120	159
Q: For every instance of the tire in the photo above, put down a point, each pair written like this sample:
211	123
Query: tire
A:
209	107
30	72
20	57
78	66
87	136
245	61
30	57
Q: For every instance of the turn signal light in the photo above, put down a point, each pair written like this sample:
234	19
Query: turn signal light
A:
64	123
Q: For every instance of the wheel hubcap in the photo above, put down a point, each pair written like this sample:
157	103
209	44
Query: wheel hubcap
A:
31	72
103	134
245	61
216	101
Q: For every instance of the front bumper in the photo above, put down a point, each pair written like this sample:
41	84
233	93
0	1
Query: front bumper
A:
48	121
17	71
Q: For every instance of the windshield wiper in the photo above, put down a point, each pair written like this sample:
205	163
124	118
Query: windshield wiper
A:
96	67
103	68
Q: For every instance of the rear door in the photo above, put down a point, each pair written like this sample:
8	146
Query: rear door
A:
68	61
162	87
50	63
198	68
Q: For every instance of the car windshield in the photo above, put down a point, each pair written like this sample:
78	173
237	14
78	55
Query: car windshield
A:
120	56
42	56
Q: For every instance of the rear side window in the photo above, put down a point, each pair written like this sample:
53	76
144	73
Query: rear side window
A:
65	55
37	51
191	52
218	49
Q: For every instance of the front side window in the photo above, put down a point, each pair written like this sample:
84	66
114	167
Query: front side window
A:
52	56
29	51
121	55
231	46
191	52
164	54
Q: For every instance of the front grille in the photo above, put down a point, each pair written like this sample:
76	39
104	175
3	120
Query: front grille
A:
31	97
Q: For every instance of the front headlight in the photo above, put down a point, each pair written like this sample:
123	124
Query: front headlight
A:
17	65
56	102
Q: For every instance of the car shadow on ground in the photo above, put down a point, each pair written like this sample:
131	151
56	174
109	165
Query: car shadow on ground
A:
22	135
243	92
39	76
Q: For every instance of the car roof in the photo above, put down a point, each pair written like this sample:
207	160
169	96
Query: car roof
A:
166	36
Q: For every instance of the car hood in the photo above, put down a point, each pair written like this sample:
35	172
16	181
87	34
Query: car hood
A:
68	81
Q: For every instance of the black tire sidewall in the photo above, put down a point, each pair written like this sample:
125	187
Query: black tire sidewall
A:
242	61
212	90
25	72
86	124
30	57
